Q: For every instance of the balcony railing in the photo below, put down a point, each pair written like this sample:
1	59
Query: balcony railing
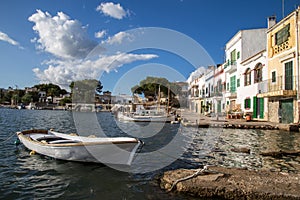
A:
278	83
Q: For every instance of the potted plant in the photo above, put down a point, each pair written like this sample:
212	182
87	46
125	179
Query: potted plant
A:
248	117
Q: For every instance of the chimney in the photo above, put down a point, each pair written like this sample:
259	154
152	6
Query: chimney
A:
271	21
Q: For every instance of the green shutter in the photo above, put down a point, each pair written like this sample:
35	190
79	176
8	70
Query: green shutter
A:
249	103
245	103
255	107
261	113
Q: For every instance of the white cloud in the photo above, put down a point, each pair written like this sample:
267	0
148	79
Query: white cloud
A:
118	38
64	72
68	41
113	10
60	35
100	34
4	37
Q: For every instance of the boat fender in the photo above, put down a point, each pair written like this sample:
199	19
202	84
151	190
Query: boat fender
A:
17	142
32	153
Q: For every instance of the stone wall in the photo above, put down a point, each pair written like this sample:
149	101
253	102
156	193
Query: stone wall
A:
273	110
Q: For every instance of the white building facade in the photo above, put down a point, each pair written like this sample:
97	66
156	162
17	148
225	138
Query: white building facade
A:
254	71
244	45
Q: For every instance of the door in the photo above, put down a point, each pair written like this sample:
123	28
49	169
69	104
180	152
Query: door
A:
261	108
287	111
219	107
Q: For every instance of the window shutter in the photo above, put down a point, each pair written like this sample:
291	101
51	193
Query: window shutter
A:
255	107
261	114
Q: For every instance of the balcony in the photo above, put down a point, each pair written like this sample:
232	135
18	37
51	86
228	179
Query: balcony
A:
230	67
216	94
277	87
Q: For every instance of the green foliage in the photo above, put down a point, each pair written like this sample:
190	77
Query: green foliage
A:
87	84
51	89
84	90
152	85
64	101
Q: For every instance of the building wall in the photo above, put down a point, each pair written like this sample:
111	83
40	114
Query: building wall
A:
273	110
278	55
253	41
250	91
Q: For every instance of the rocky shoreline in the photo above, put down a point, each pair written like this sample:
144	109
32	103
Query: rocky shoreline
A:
232	183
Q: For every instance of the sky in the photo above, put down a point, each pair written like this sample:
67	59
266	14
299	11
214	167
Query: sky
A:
121	42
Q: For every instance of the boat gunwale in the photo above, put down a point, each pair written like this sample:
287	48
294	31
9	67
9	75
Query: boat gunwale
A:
80	143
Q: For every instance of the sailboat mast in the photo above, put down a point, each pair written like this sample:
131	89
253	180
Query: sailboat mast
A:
168	99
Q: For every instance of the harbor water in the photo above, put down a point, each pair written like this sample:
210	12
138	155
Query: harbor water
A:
24	176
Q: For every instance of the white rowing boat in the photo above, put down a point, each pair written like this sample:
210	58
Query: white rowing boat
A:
112	150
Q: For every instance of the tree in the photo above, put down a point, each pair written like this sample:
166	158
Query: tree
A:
85	90
27	98
152	85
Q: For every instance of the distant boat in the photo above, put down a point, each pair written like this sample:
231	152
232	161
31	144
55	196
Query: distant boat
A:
113	150
21	106
143	115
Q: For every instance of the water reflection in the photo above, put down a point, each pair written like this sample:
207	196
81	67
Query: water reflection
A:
39	177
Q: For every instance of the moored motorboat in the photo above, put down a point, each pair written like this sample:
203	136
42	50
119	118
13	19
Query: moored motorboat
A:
112	150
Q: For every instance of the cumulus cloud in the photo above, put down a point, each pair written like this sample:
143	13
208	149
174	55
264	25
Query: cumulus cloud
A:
4	37
60	35
119	38
112	10
100	34
64	72
67	40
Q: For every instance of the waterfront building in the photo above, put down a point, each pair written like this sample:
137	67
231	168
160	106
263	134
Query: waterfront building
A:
196	84
242	46
194	96
254	71
218	100
209	90
283	69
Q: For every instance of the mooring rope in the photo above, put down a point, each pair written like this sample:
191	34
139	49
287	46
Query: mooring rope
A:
10	136
199	171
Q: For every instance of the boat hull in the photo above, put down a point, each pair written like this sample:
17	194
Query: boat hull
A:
85	149
136	118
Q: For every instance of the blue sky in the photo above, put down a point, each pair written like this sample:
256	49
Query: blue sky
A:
48	41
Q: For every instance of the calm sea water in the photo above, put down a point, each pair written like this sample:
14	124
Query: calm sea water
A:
38	177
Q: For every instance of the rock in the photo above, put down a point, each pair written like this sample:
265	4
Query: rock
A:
230	183
241	150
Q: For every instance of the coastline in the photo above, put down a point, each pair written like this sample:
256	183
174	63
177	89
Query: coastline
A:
233	183
191	119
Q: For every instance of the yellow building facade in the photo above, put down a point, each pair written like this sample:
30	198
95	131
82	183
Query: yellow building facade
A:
283	69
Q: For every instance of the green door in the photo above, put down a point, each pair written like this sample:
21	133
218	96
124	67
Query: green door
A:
258	107
287	111
255	107
261	108
219	107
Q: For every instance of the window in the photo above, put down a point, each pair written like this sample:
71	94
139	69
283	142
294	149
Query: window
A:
282	35
288	78
258	73
233	56
273	77
247	77
233	84
247	103
238	82
238	55
227	86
